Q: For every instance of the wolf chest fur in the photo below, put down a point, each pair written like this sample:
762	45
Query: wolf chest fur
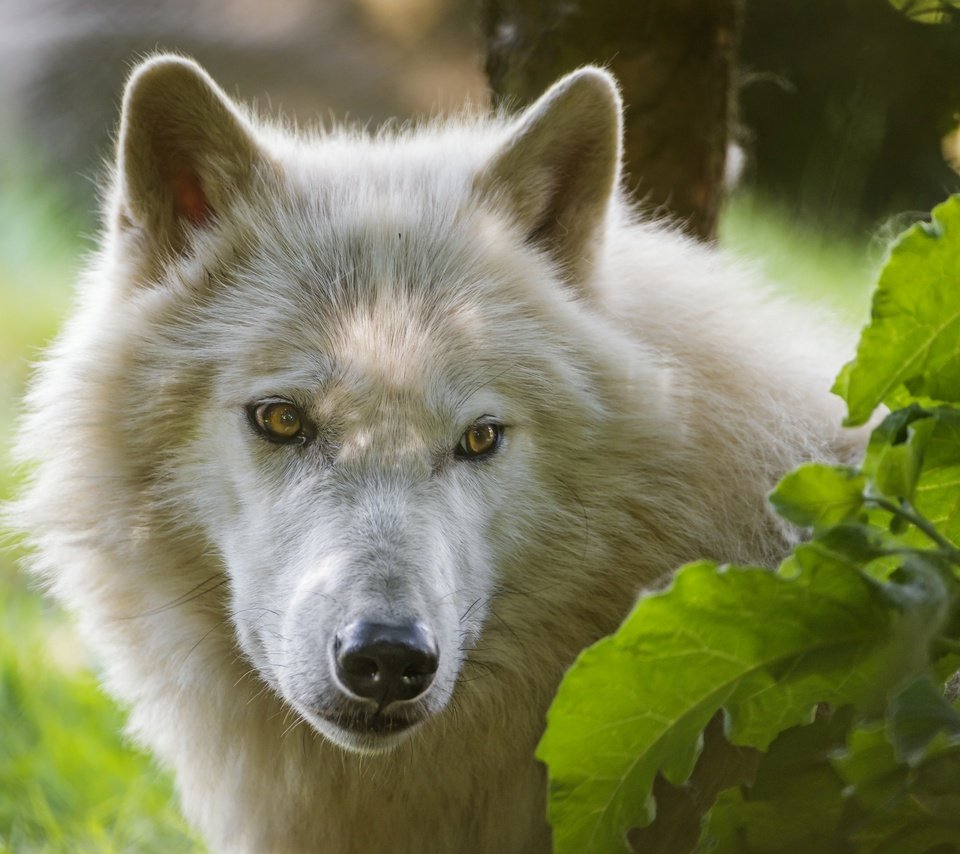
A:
353	442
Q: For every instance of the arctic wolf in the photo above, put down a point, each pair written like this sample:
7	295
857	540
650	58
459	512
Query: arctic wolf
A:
355	441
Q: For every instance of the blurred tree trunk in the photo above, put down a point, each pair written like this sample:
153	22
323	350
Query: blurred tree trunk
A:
675	63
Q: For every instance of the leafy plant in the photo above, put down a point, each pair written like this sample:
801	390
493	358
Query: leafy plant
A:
827	675
927	11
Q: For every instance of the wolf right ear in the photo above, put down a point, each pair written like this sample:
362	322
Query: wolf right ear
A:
560	167
184	151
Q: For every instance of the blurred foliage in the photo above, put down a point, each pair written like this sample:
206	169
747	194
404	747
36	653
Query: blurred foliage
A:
63	64
68	780
844	106
928	11
800	259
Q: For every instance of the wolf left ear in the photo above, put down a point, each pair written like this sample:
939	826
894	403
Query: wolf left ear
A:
558	170
184	151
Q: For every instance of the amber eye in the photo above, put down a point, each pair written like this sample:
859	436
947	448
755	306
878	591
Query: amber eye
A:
279	421
480	439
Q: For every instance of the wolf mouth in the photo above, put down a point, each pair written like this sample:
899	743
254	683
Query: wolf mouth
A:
375	724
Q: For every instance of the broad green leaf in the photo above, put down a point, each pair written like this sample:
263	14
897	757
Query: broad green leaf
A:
764	648
904	776
925	590
895	453
680	809
914	455
937	495
848	547
795	802
847	619
829	787
819	495
922	722
912	339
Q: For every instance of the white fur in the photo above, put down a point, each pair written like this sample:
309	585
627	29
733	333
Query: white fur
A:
398	287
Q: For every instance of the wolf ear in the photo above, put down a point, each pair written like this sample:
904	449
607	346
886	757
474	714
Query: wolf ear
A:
184	151
558	170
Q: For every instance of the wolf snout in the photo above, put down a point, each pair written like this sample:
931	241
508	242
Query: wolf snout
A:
386	662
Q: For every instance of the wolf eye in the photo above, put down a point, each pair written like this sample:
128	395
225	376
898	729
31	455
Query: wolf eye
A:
278	421
480	440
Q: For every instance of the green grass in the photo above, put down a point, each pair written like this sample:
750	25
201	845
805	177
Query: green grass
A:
803	261
68	780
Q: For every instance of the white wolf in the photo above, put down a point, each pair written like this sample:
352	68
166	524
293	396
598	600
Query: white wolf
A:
355	441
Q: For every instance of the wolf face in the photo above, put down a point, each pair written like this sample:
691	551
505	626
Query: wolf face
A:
358	411
358	488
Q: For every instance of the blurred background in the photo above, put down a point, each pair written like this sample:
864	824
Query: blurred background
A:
844	123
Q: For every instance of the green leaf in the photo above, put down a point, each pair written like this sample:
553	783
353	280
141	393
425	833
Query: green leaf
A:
914	455
922	722
845	547
796	801
764	648
819	495
937	495
927	11
903	777
848	548
912	340
895	453
680	809
849	619
924	589
830	787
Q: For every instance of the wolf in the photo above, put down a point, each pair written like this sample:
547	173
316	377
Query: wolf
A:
354	441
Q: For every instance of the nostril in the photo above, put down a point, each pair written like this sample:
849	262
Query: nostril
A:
417	671
386	662
417	677
423	668
361	667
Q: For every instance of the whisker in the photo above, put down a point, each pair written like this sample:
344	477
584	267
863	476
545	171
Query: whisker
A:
467	613
189	596
292	727
483	384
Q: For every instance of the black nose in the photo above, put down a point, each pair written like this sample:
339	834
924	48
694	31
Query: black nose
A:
386	662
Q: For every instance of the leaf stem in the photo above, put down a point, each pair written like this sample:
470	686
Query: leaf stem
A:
906	511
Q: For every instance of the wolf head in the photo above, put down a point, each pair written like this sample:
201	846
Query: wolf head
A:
361	376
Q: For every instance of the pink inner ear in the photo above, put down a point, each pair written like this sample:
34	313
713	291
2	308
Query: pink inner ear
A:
189	200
